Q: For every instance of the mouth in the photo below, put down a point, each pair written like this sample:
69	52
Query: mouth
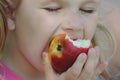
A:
73	39
64	49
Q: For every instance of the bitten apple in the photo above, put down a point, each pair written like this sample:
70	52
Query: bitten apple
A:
63	51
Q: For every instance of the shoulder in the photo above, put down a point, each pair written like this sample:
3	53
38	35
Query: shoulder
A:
7	74
2	71
2	77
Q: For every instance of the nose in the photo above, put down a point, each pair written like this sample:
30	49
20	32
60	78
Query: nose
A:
73	25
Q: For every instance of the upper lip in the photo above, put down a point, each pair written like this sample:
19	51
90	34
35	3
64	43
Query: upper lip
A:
74	37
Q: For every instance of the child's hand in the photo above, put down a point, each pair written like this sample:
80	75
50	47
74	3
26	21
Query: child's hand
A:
84	68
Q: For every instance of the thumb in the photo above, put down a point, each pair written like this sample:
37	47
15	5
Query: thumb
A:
49	73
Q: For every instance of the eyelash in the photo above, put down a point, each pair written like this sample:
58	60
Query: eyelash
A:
87	11
52	9
57	9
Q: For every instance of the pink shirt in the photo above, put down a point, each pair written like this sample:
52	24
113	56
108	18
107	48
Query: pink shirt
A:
7	74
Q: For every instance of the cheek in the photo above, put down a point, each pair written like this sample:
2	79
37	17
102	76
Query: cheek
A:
90	27
35	30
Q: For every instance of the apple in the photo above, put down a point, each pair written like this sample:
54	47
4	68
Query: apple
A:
63	51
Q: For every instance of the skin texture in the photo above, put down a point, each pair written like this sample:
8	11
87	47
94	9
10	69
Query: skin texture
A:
112	19
35	23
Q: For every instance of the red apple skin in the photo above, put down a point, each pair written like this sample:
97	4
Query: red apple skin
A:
66	55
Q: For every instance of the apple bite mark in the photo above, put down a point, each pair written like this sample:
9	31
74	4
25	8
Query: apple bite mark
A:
63	51
79	43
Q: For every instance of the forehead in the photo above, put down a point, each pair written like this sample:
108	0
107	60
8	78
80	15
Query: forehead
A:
72	0
63	2
69	0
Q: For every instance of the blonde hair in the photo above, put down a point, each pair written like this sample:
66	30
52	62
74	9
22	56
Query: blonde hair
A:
107	48
101	36
3	24
5	11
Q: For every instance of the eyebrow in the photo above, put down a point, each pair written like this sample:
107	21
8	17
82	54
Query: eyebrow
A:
94	1
53	0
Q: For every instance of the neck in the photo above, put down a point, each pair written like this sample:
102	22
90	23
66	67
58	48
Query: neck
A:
25	71
22	68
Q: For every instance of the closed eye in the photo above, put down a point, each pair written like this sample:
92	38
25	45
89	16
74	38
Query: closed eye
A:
52	9
87	11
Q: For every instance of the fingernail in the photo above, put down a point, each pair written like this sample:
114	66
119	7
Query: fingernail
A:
83	56
92	51
105	64
44	55
97	51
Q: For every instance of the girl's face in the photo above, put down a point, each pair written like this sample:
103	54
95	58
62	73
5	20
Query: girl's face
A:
37	21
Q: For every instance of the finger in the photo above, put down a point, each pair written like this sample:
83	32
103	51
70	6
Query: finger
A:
47	67
90	65
97	56
77	67
99	69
